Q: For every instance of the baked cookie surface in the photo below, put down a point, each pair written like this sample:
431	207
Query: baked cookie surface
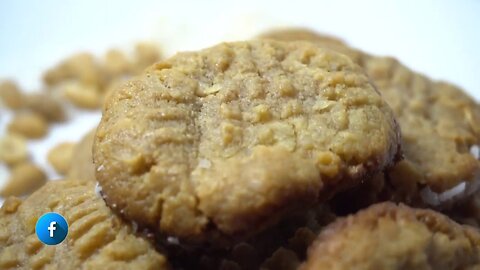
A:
390	236
97	239
230	138
439	122
82	168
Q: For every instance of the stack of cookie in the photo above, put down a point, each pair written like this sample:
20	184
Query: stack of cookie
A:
288	151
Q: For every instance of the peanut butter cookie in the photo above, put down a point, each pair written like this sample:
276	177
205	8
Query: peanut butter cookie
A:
10	95
388	236
97	239
440	124
232	138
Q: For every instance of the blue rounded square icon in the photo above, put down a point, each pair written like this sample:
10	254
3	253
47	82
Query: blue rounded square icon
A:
51	228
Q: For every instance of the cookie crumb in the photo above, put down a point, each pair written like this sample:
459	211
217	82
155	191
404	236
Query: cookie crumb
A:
11	205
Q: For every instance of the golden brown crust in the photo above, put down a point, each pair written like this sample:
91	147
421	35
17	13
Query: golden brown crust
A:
97	239
439	122
389	236
226	137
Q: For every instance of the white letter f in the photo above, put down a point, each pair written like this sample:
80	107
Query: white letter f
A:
52	228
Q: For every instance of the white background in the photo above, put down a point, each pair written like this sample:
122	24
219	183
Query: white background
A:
438	38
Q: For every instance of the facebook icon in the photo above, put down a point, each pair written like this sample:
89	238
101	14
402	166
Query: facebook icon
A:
51	228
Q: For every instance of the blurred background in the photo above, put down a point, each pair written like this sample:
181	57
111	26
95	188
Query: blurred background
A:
438	38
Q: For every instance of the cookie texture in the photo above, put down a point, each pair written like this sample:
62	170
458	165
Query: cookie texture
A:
231	138
439	122
82	169
389	236
97	239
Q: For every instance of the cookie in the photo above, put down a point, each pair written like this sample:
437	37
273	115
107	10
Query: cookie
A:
81	67
117	64
81	95
61	157
232	138
83	169
329	42
48	106
25	178
28	125
439	123
145	54
13	149
10	95
97	239
389	236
